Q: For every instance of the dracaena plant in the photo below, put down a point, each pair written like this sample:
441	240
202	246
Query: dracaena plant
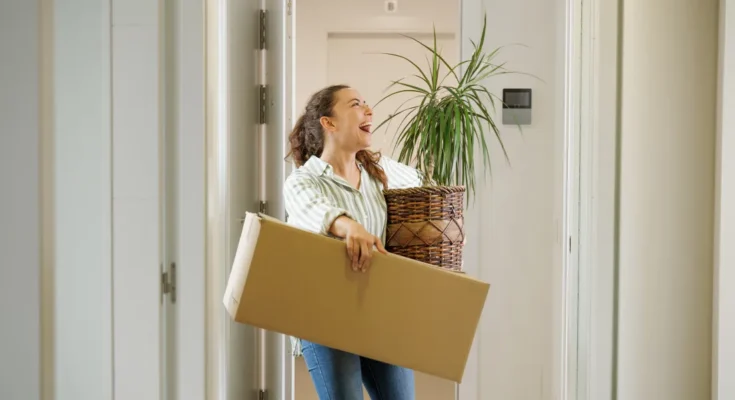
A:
445	123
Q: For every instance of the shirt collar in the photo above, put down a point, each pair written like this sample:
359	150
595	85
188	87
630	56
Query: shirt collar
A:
317	166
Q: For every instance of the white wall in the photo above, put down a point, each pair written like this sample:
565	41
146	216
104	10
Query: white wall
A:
20	221
313	26
666	199
678	369
512	231
723	357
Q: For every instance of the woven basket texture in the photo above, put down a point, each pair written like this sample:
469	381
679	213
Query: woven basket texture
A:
427	224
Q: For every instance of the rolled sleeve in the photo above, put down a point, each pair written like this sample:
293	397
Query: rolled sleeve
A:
307	207
400	176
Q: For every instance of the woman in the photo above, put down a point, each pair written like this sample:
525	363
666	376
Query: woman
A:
337	191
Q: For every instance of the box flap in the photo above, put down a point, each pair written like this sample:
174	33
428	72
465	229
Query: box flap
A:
241	264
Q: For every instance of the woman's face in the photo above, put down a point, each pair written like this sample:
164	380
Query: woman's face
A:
350	127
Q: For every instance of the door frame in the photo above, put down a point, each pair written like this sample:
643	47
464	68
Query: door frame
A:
585	350
593	334
598	153
723	343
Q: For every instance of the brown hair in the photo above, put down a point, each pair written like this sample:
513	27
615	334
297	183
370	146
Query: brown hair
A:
307	137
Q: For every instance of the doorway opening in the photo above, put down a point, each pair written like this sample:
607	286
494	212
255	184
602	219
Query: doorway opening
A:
344	48
516	243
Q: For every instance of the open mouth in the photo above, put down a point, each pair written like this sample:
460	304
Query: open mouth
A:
366	127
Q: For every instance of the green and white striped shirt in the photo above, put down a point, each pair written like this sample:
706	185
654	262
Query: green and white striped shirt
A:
315	197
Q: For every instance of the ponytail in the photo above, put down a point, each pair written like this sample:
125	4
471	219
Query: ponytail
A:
370	161
297	140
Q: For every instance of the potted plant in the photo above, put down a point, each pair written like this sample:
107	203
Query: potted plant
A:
439	133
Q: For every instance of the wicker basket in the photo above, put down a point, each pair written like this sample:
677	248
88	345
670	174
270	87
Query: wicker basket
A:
427	224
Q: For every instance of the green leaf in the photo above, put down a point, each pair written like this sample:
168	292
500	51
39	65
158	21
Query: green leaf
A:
423	75
449	123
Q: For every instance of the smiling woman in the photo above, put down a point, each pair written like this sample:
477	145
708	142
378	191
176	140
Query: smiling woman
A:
337	188
338	113
337	191
343	48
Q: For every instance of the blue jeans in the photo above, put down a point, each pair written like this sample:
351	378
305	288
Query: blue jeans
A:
338	375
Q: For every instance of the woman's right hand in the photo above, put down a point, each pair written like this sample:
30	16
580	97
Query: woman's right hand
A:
359	242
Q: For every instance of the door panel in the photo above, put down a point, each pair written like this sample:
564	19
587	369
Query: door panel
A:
170	200
188	151
232	127
136	211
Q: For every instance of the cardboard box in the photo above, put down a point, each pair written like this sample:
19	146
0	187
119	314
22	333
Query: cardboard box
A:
401	311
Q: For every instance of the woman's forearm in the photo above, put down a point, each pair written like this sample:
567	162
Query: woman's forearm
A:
340	226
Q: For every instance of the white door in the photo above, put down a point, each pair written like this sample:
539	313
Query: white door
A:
186	161
158	198
138	197
186	327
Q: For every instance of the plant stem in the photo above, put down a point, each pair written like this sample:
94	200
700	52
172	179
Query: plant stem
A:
429	181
